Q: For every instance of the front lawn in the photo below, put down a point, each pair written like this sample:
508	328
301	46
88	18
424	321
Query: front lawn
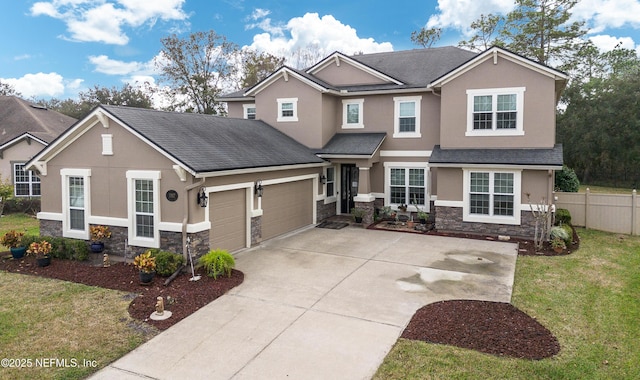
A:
590	300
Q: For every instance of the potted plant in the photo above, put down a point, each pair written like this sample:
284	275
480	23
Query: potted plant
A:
558	244
98	235
13	240
217	262
42	251
358	214
146	264
423	216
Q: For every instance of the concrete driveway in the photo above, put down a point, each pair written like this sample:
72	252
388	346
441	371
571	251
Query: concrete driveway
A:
321	304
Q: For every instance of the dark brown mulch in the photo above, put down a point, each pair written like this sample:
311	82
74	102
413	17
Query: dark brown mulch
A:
492	327
188	296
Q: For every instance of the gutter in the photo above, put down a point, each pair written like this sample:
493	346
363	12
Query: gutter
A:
185	220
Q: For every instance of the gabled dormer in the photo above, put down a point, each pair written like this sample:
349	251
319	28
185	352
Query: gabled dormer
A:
341	70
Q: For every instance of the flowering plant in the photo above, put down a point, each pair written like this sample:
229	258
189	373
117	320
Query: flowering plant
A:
12	239
145	262
42	248
99	233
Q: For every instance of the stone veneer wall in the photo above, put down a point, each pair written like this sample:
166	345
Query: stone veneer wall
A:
449	219
369	209
117	244
325	211
256	230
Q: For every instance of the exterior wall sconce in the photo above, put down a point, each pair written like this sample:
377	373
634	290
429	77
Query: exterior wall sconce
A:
259	188
202	198
323	179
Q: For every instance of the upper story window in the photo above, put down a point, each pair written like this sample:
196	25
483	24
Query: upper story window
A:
495	112
288	109
26	183
352	113
249	111
407	116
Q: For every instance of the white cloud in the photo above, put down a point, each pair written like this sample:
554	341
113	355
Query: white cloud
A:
323	33
103	21
39	84
605	14
104	64
606	42
459	14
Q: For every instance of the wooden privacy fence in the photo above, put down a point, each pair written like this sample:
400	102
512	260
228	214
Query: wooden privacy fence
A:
605	212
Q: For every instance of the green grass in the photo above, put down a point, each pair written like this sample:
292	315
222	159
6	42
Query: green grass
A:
590	300
605	189
19	222
44	318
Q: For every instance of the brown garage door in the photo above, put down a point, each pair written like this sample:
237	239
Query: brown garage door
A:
286	207
228	219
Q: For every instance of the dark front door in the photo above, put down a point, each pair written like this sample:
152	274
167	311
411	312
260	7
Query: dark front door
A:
348	187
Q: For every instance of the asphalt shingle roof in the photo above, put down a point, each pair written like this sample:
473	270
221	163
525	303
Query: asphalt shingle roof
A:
417	67
353	144
207	143
18	116
525	157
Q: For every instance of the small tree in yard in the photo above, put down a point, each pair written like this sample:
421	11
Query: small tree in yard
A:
542	216
6	191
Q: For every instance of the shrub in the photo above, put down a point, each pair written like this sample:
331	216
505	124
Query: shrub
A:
558	232
563	216
567	180
217	262
167	262
62	248
569	231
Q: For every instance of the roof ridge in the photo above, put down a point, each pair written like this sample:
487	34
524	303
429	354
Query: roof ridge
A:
28	106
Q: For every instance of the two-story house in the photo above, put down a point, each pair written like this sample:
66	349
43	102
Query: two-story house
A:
471	134
463	135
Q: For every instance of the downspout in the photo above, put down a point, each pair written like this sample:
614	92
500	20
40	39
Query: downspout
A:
185	220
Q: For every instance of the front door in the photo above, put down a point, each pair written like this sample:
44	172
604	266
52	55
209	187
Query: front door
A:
348	187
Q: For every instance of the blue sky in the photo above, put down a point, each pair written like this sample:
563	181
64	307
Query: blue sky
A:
56	48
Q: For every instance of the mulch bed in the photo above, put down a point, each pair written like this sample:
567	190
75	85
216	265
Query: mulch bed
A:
490	327
188	296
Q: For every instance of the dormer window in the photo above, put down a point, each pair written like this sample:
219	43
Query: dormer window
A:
495	112
287	109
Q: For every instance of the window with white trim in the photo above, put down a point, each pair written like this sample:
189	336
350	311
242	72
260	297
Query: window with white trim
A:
352	113
75	203
330	184
407	116
249	111
25	182
144	208
492	196
495	111
407	186
287	109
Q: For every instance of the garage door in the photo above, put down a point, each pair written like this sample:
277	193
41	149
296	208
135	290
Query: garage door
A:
227	213
286	207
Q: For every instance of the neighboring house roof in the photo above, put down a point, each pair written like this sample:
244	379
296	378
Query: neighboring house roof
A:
202	143
19	118
352	144
550	158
